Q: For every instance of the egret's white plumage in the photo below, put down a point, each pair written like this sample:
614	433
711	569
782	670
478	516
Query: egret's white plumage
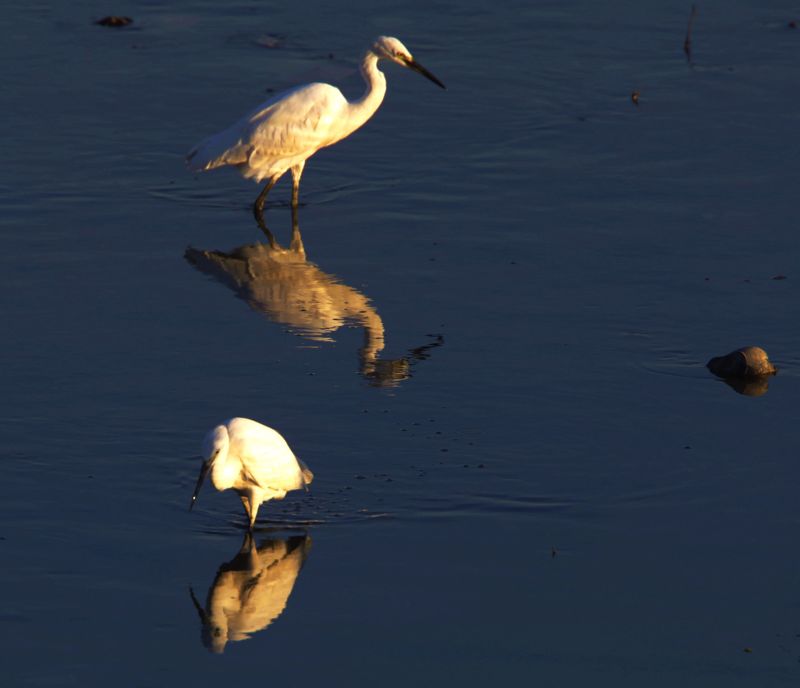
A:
252	459
286	130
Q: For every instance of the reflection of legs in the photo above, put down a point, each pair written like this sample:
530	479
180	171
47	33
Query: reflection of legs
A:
247	544
296	244
258	206
270	237
249	551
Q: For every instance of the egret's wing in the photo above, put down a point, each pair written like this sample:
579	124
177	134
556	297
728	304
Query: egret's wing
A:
297	124
266	458
280	472
224	148
294	123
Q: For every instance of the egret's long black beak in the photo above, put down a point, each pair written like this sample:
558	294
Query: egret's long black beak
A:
417	67
200	479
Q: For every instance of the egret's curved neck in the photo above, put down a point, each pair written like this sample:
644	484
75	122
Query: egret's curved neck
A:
223	471
363	108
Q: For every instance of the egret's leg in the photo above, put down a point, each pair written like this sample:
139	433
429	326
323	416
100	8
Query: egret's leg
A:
297	172
247	543
258	206
250	551
246	504
295	192
254	504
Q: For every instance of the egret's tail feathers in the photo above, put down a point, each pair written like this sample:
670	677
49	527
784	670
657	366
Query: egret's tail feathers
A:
308	476
216	151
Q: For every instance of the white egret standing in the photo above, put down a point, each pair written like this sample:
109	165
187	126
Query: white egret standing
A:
286	130
252	459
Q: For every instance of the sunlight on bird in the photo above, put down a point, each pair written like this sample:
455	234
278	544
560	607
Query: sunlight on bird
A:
252	459
286	130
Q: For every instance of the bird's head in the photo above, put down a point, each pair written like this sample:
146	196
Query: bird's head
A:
389	48
214	628
215	445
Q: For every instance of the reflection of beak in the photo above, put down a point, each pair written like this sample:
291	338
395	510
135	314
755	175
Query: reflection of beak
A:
200	479
199	608
417	67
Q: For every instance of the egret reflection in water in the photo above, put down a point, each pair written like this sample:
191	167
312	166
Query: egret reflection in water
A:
283	285
250	591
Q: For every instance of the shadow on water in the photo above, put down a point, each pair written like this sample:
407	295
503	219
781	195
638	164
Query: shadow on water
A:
251	590
283	285
749	387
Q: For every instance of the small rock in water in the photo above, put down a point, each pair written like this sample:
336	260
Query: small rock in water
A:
114	21
747	362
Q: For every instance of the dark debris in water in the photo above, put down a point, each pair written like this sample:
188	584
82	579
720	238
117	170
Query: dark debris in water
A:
114	21
687	41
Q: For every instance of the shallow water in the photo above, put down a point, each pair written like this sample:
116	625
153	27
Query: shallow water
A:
554	490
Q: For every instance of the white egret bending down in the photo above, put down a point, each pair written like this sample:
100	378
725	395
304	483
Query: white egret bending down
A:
252	459
286	130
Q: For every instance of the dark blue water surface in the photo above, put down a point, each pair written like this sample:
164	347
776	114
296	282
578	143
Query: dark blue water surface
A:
524	472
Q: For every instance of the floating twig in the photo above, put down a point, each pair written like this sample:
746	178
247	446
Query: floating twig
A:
687	42
114	21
